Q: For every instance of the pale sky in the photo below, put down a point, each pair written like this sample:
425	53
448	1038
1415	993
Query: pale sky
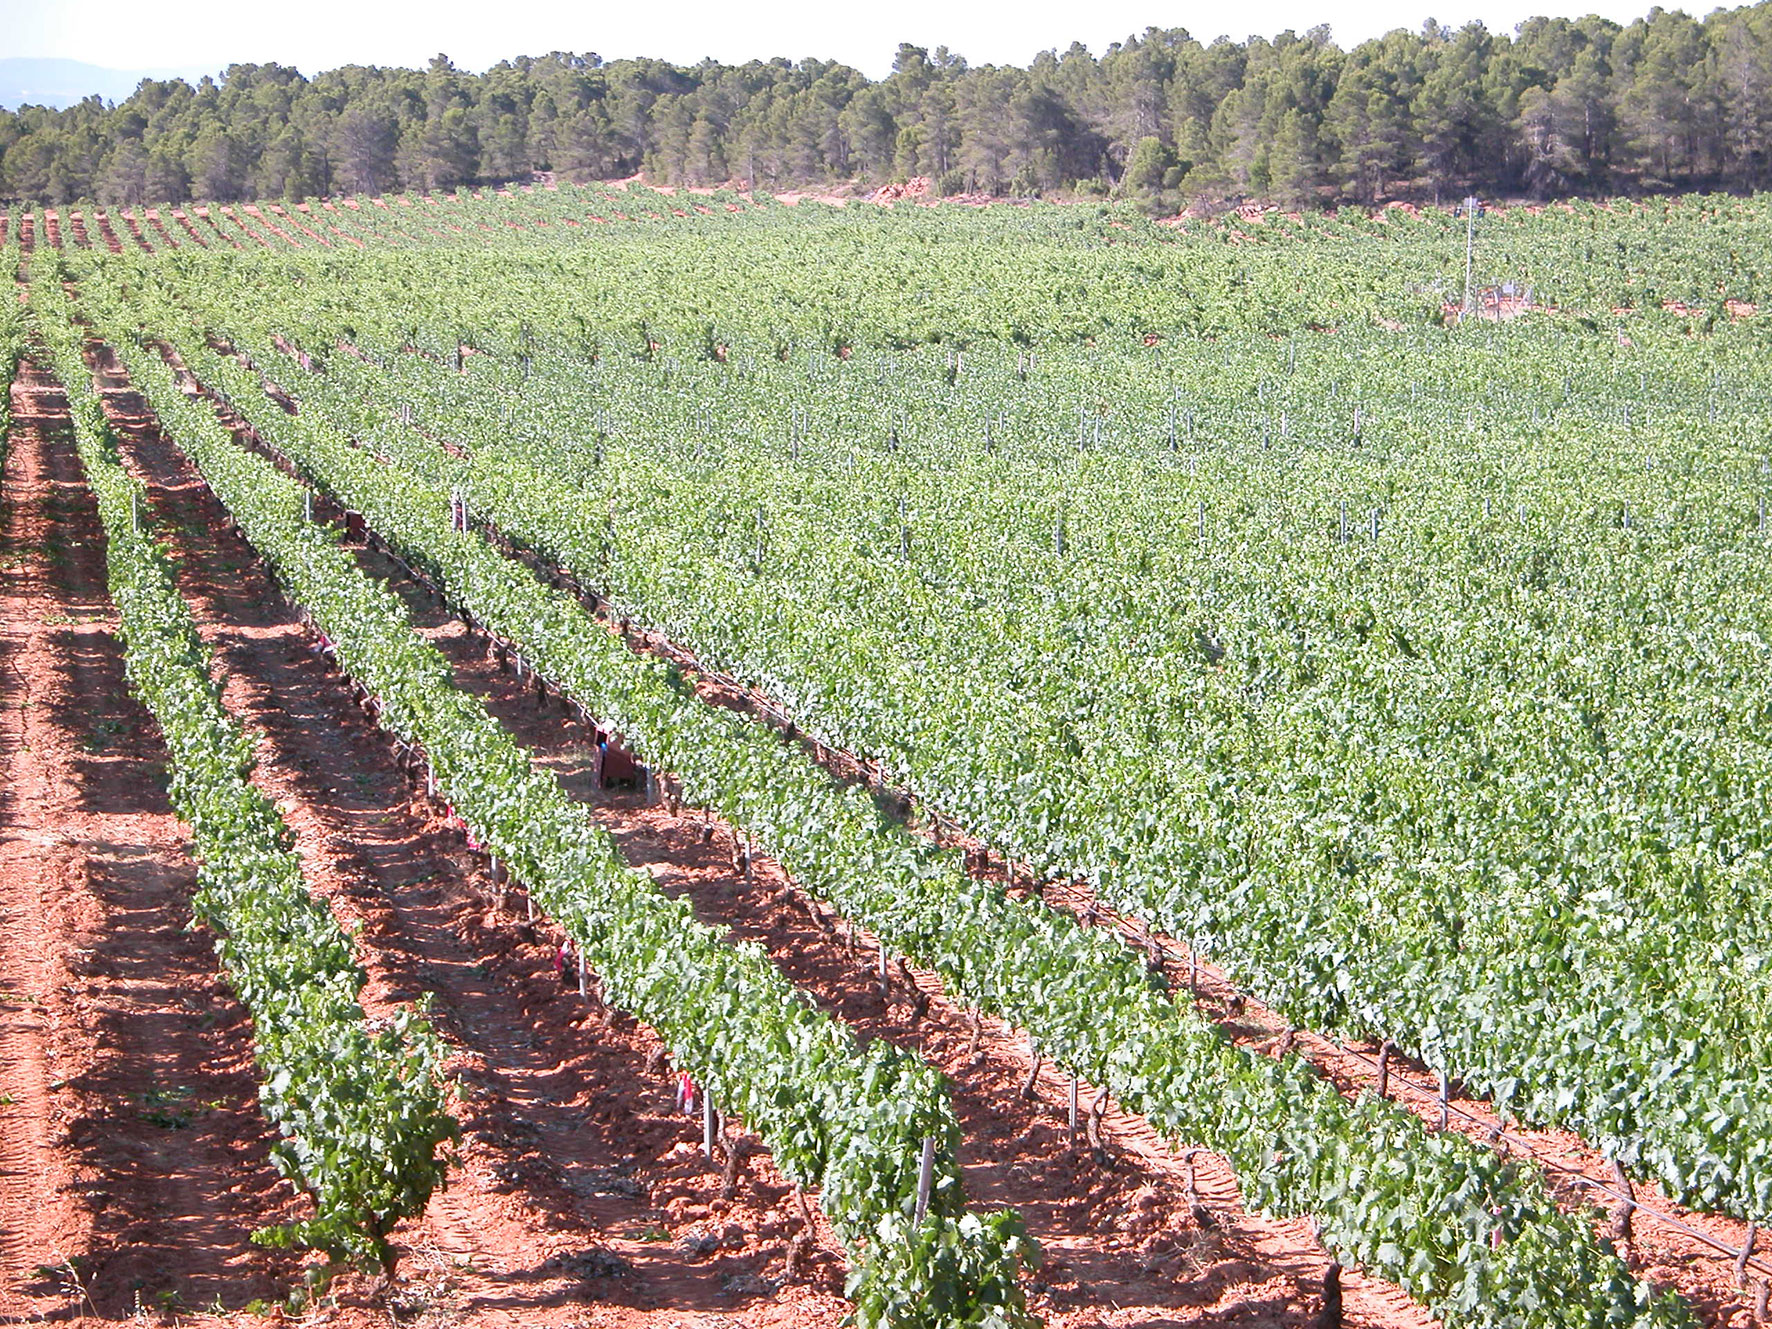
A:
321	34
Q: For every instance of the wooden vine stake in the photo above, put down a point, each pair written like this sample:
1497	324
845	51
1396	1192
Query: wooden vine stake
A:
1445	1099
1621	1226
1329	1317
1073	1115
925	1177
1097	1111
707	1123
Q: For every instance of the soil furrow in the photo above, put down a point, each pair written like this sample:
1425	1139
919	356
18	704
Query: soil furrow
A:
207	216
133	1160
159	225
108	232
133	226
184	219
293	215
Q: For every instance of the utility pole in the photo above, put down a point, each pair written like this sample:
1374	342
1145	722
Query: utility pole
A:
1471	204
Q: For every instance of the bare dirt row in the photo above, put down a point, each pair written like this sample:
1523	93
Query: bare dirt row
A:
159	224
130	1140
133	226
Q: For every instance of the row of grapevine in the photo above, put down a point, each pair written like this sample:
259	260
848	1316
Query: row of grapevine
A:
1119	274
1474	1238
12	341
847	1120
1490	784
361	1111
1640	1020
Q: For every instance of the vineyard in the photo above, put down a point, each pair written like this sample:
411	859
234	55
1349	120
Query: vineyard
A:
944	765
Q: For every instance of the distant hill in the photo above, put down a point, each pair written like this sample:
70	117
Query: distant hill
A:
61	83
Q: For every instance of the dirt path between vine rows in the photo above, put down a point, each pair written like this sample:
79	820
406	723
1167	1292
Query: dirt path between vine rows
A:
583	1196
133	1159
159	225
108	231
133	226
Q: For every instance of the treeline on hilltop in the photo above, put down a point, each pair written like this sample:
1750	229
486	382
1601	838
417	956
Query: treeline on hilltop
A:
1564	107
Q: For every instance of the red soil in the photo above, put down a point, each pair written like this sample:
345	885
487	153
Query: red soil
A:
130	1140
159	225
295	220
109	233
233	215
184	220
264	219
207	216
